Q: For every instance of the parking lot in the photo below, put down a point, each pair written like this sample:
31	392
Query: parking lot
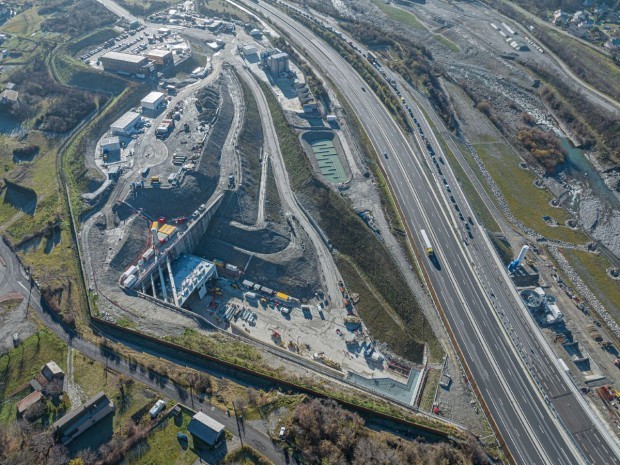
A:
137	42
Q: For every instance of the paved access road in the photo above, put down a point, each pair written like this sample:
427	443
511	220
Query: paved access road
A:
255	435
469	282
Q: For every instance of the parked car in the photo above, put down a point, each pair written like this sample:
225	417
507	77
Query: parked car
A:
282	432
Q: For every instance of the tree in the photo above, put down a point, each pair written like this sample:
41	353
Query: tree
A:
53	389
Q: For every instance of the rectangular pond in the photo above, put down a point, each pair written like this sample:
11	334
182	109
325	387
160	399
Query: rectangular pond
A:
328	160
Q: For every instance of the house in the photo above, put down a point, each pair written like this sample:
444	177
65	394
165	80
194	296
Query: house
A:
82	418
579	16
613	43
9	97
31	399
51	371
559	18
205	430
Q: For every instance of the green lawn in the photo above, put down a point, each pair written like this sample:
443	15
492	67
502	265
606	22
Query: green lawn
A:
399	14
163	447
20	365
517	185
93	377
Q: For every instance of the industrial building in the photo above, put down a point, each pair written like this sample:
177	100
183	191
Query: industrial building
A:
161	58
543	306
190	273
248	50
125	63
277	63
126	124
205	430
110	144
152	101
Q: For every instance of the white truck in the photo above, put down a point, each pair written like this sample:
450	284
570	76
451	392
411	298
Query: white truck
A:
158	407
426	243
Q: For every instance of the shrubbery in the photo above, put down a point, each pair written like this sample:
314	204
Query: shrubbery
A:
544	146
326	433
54	108
82	16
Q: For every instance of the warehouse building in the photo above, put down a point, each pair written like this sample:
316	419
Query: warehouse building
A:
161	58
206	431
125	63
152	101
125	125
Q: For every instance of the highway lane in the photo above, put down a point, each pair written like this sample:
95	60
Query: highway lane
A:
527	424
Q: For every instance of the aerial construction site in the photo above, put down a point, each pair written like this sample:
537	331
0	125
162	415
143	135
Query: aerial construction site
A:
197	225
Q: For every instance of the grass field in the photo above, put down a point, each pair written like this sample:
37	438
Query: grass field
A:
222	8
430	387
74	73
93	377
517	185
218	346
163	448
447	42
245	456
398	14
20	365
25	23
591	268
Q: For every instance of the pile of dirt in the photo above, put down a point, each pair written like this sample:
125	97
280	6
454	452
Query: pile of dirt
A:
207	102
133	241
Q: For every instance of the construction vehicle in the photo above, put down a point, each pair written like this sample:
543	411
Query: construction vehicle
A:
155	180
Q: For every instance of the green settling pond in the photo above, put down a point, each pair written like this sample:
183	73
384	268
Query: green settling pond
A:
327	158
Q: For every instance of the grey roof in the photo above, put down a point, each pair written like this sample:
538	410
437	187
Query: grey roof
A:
110	140
205	428
10	95
86	409
126	120
152	97
156	52
53	368
124	57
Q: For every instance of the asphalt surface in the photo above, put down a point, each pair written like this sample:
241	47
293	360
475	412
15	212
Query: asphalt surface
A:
470	282
255	435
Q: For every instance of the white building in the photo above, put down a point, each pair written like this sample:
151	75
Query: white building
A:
110	144
152	100
126	124
248	50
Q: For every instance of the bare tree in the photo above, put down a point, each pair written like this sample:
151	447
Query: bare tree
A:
53	389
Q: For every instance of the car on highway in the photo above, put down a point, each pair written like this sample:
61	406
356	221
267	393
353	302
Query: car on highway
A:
385	155
364	89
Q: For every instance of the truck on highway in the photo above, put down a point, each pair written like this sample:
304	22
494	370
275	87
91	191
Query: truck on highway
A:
427	243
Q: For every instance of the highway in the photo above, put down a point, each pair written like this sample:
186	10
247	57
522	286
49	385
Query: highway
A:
472	289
